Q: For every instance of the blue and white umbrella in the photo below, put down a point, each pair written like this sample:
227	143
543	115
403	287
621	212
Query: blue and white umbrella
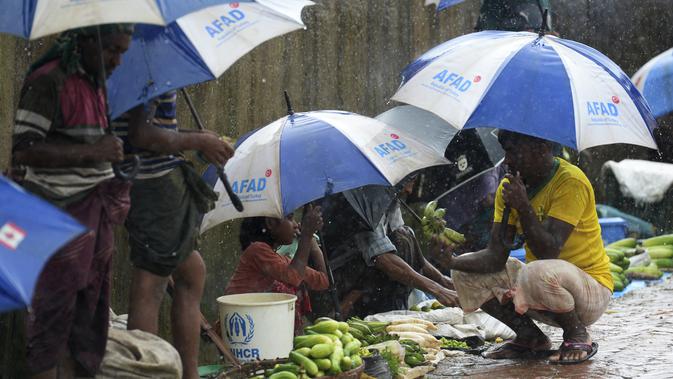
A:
38	18
31	230
655	82
443	4
196	48
297	158
548	87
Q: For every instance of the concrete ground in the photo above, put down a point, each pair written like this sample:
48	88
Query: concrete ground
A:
635	339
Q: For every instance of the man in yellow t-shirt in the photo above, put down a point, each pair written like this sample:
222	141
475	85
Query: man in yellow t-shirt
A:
566	282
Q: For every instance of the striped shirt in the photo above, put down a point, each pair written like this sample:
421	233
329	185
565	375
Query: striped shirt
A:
152	164
59	108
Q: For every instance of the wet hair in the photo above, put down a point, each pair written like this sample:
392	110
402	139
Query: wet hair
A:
518	138
254	229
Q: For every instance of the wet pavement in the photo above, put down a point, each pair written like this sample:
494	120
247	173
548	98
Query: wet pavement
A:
635	339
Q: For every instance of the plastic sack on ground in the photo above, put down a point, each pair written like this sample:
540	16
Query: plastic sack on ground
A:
134	354
492	328
446	315
459	331
414	372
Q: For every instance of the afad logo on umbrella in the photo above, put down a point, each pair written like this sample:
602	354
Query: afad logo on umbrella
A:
227	23
453	83
11	235
393	149
251	189
604	112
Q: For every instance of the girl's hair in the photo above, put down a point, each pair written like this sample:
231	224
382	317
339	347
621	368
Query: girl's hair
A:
253	229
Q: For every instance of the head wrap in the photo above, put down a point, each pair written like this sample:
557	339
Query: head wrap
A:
66	49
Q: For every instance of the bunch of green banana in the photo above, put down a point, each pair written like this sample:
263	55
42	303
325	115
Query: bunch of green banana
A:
369	332
433	224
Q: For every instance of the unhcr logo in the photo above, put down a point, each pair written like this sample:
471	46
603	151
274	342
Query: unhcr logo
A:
240	330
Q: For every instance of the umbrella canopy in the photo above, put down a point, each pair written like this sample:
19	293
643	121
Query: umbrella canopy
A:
298	158
31	230
471	151
655	82
443	4
196	48
544	86
38	18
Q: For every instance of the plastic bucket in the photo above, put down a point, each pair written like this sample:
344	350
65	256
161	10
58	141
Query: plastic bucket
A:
258	325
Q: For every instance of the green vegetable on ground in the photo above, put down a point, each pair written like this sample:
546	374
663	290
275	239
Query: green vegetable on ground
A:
451	343
305	362
626	242
666	239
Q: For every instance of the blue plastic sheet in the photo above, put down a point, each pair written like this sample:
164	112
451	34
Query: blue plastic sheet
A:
638	284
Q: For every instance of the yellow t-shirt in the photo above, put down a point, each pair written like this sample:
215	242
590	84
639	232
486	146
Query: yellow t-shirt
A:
569	197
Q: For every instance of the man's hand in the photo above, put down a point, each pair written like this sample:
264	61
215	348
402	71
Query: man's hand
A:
447	297
514	193
311	221
108	149
214	149
441	252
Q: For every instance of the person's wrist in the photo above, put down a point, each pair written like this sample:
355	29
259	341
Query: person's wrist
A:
527	210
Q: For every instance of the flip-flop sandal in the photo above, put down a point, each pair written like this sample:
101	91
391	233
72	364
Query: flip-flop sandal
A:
523	352
590	349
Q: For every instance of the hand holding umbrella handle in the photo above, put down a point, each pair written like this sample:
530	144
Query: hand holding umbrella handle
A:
235	200
503	231
116	167
127	175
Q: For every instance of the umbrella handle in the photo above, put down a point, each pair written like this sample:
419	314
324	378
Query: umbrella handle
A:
235	200
503	231
330	275
127	175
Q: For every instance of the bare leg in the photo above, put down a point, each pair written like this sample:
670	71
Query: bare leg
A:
573	331
189	278
528	335
147	293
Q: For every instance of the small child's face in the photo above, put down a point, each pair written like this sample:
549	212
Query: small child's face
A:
286	230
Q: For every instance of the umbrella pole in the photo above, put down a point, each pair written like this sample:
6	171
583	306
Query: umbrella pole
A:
220	170
330	276
408	208
116	167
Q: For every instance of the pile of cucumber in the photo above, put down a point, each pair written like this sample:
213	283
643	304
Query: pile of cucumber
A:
327	349
659	250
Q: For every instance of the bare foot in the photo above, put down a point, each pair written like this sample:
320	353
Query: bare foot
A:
570	352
